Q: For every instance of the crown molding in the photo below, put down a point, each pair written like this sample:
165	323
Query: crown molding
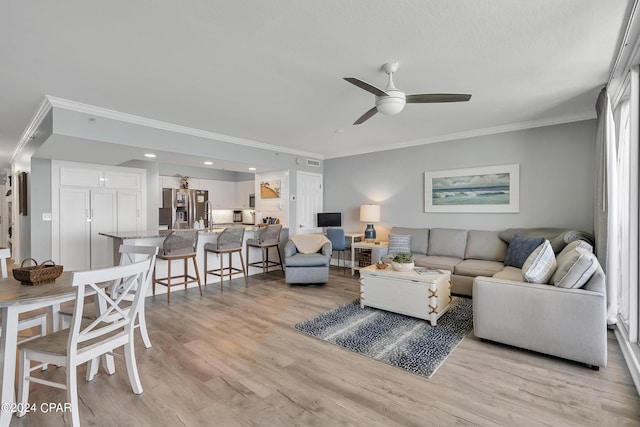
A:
171	127
32	127
472	133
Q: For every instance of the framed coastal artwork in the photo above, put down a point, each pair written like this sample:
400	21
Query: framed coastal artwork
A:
482	189
270	189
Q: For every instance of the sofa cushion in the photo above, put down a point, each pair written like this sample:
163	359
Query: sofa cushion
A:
540	265
576	269
447	242
519	250
307	260
399	243
419	238
485	245
441	262
510	273
575	244
478	267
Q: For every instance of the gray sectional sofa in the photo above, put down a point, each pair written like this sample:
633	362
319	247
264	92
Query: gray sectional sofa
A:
556	318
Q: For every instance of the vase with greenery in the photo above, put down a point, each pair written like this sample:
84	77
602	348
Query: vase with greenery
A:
403	261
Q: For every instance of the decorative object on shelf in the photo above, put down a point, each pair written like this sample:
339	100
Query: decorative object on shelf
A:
483	189
381	265
370	214
37	274
184	181
403	261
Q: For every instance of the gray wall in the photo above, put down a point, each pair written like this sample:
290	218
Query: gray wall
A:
556	180
40	202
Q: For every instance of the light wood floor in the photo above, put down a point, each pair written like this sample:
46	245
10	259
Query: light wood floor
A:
234	359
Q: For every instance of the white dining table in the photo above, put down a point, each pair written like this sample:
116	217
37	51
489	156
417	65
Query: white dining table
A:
15	299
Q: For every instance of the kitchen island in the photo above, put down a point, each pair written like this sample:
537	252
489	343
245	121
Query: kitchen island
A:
156	237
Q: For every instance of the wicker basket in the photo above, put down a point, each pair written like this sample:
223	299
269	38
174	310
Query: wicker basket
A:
46	272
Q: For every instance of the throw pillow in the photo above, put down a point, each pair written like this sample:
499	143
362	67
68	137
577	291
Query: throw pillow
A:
519	250
399	243
540	265
576	269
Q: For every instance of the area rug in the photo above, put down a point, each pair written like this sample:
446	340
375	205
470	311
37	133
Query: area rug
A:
405	342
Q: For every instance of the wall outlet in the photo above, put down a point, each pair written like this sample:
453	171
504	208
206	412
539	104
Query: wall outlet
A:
46	217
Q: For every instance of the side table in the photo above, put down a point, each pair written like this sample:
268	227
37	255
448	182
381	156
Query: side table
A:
378	250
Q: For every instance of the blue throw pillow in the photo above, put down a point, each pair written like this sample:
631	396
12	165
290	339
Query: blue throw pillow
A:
520	248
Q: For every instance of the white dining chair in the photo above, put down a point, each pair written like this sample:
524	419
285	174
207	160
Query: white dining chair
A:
128	255
30	320
86	339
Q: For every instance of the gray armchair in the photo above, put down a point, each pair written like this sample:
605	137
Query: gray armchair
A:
306	268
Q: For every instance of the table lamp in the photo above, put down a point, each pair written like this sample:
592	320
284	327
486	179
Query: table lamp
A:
370	214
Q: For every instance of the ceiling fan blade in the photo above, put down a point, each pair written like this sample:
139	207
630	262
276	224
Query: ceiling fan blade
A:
366	86
421	98
366	116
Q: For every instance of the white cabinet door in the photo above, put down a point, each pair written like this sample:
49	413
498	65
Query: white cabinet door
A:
124	180
224	195
129	211
75	229
170	182
103	220
81	177
243	189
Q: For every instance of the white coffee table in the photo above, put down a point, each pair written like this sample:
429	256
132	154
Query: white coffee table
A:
425	296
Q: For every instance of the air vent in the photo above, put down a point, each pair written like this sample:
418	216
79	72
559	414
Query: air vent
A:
314	163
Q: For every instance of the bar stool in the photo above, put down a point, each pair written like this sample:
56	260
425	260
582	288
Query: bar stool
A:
268	237
178	245
229	241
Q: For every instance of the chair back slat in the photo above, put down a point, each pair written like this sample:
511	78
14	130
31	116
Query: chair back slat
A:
114	321
230	238
270	234
130	254
180	242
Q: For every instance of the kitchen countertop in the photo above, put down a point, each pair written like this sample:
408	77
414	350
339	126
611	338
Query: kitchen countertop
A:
148	234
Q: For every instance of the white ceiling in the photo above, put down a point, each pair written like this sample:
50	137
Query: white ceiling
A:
271	71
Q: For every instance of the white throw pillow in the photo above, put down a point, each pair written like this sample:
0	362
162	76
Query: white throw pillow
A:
540	265
576	269
399	243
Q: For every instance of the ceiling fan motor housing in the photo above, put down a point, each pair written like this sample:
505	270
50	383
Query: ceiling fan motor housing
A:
392	104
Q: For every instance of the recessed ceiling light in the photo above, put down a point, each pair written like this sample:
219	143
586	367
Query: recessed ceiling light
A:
208	163
252	169
150	155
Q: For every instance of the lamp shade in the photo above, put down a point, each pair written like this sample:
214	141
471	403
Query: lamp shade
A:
370	213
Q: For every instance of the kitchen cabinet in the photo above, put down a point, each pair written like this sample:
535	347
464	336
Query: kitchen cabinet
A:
243	190
224	195
98	178
84	214
93	199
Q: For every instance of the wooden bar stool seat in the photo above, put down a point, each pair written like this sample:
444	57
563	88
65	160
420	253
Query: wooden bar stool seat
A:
179	245
229	242
268	237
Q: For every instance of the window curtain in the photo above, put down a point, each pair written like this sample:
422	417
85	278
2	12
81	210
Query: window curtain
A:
624	132
606	194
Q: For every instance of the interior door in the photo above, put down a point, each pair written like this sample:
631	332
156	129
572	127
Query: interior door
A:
309	202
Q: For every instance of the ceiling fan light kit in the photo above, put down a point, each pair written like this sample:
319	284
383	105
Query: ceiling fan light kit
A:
391	101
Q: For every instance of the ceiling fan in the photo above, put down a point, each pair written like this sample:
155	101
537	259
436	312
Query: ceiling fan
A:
392	100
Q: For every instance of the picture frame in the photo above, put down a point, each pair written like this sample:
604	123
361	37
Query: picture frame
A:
494	189
270	189
22	193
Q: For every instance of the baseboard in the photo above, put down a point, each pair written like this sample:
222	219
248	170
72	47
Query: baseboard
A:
630	357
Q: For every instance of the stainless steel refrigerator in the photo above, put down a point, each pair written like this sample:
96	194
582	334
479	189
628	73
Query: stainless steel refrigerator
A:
181	208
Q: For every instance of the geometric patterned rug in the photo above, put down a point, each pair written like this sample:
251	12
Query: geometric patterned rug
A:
406	342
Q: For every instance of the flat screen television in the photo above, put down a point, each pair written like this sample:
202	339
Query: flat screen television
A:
332	219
